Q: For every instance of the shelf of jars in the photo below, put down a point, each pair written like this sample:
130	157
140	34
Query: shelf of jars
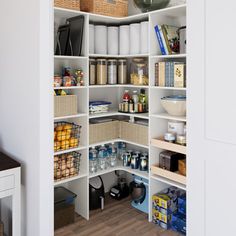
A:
117	157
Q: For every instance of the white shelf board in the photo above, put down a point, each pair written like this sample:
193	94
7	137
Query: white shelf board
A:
169	117
70	117
116	113
70	150
117	86
67	180
170	56
70	57
174	11
143	174
70	87
168	181
118	56
168	88
118	140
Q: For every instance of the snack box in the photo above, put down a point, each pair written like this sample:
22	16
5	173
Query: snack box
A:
164	225
182	204
178	223
166	218
155	217
168	199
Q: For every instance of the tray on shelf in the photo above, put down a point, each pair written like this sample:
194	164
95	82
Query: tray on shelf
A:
161	143
174	176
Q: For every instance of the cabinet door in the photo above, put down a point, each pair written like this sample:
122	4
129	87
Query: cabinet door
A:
212	117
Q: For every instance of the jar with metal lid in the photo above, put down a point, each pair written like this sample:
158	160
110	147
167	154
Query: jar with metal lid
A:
139	71
143	165
122	71
112	71
126	159
181	139
92	71
134	162
101	71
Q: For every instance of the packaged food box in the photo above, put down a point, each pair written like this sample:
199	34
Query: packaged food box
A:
168	199
178	223
166	218
155	217
164	225
182	204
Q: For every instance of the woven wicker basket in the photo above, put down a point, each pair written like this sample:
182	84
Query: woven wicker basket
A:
69	4
103	132
118	8
65	105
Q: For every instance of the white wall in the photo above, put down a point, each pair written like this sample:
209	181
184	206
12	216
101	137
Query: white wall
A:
26	105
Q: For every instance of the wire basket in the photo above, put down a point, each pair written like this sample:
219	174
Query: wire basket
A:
66	165
66	136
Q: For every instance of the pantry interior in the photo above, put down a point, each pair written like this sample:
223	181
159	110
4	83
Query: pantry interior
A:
141	131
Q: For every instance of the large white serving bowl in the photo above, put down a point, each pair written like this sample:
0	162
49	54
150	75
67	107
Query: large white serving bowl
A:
174	105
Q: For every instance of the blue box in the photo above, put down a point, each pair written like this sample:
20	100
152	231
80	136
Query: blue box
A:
178	223
182	204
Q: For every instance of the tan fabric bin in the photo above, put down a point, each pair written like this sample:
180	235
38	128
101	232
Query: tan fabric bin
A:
103	132
118	8
65	105
134	133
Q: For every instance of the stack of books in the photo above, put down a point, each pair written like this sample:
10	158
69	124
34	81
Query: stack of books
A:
168	39
170	74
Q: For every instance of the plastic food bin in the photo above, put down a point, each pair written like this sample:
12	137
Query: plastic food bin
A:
64	207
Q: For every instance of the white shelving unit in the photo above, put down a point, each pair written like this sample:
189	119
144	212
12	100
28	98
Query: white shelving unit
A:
156	116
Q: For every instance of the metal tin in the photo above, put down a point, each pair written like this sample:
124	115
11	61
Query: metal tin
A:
134	162
181	139
143	165
169	137
126	159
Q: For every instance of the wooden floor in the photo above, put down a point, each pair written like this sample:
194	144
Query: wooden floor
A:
118	219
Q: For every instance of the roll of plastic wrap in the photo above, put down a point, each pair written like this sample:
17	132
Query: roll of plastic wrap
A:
135	38
100	39
91	39
144	37
113	40
124	40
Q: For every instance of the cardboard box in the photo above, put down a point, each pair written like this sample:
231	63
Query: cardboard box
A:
178	223
167	199
179	75
182	204
155	217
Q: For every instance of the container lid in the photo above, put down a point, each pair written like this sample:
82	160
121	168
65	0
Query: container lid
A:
96	182
62	195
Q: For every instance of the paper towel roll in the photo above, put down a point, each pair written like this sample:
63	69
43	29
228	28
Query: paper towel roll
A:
134	38
124	39
144	37
100	39
113	40
91	39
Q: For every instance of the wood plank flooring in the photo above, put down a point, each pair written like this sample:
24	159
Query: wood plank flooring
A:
118	219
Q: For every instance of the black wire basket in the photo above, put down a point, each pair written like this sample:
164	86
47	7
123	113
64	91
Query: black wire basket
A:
66	136
66	165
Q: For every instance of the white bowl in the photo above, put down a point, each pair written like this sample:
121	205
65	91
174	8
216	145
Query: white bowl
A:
174	107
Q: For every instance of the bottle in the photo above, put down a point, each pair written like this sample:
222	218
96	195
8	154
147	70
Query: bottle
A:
143	99
131	106
126	96
102	158
121	150
135	99
113	156
93	165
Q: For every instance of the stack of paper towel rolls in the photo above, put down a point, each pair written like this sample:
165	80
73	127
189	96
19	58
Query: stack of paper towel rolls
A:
119	40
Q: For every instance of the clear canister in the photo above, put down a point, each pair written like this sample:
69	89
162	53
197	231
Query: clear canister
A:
112	71
122	71
139	71
101	71
92	71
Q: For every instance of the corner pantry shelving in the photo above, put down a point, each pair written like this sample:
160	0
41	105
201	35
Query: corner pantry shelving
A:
158	180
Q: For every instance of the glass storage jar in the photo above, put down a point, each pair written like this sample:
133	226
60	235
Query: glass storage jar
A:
112	71
139	71
122	71
101	71
92	71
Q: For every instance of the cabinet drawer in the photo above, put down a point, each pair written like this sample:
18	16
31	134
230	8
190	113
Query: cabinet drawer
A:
7	182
